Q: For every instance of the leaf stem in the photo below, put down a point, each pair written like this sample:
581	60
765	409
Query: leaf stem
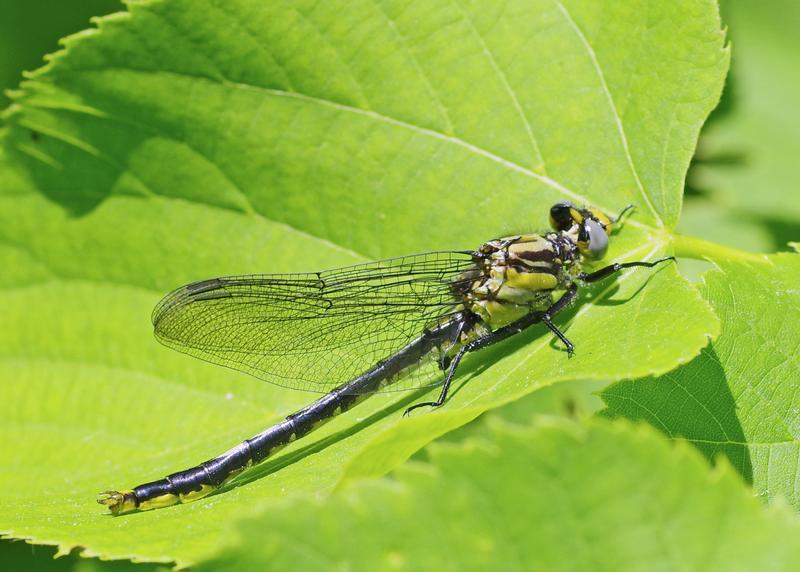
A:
700	249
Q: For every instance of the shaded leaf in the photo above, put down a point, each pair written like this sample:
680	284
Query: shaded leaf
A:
738	398
29	30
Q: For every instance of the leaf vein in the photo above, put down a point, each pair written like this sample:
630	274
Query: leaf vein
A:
506	85
612	106
415	62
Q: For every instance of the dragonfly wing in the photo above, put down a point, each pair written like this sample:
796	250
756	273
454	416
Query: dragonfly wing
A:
314	331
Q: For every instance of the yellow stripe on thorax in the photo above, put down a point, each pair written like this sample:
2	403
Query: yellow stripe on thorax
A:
530	281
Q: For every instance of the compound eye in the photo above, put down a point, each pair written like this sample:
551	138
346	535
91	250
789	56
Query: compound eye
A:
597	239
561	215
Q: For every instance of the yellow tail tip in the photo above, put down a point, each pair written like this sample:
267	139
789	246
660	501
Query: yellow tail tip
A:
118	502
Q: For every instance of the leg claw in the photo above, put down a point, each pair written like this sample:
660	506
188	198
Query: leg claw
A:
418	405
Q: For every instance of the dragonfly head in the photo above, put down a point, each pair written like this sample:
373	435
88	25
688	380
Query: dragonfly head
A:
589	228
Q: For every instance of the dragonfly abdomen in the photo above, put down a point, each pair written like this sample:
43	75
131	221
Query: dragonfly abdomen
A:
205	478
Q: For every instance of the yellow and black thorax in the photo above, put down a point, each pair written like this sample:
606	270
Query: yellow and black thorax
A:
518	273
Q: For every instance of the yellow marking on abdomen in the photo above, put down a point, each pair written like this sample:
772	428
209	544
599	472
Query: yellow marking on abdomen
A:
159	502
204	491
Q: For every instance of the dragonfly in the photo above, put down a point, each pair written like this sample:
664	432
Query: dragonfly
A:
394	324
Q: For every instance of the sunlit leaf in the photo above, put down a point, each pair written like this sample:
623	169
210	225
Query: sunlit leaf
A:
189	139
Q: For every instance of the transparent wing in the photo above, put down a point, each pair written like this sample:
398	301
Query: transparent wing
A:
315	331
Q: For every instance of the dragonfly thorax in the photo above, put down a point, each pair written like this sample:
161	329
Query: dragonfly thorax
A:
518	274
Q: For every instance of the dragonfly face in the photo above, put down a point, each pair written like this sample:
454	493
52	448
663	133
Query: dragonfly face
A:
588	228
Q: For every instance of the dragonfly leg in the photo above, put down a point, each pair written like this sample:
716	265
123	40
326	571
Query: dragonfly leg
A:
501	334
616	267
622	213
464	322
547	317
446	385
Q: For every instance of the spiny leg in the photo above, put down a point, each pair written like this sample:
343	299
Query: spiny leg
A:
547	317
570	295
528	320
500	334
622	213
617	266
445	386
445	360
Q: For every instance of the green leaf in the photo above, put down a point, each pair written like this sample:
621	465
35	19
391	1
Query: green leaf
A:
738	398
562	501
194	139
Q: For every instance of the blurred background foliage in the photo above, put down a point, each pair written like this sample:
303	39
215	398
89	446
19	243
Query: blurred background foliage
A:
741	188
